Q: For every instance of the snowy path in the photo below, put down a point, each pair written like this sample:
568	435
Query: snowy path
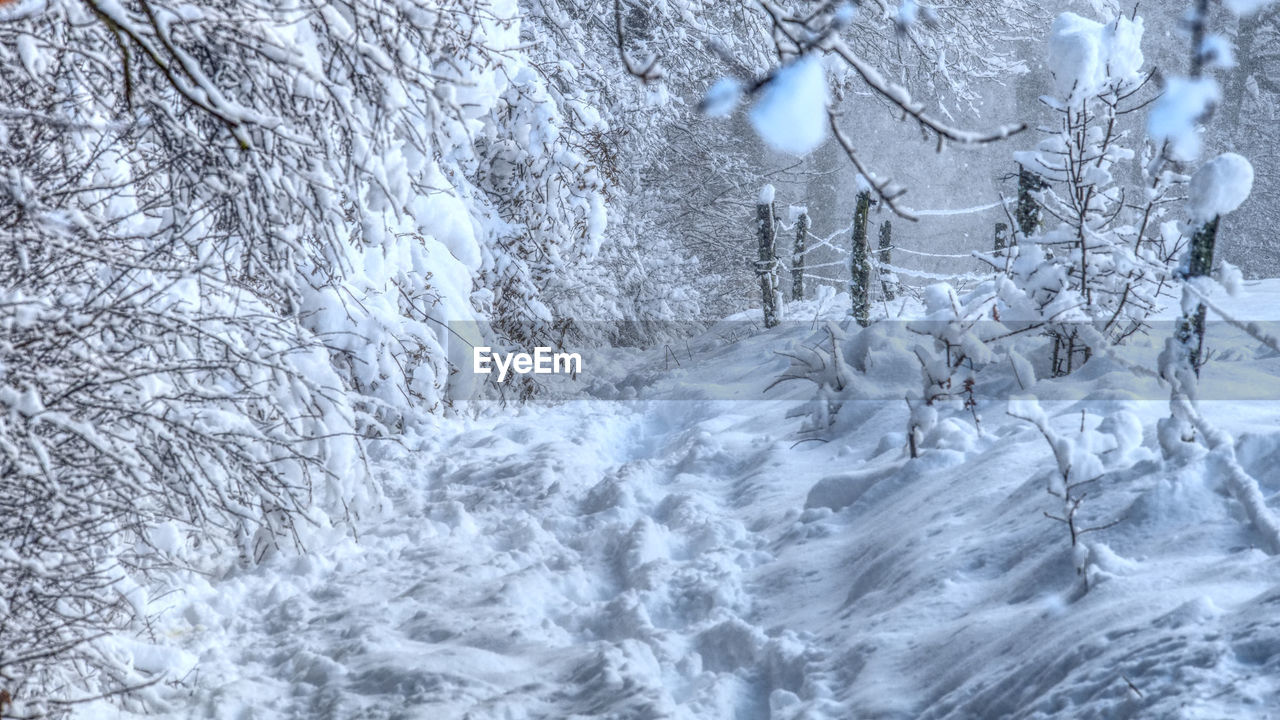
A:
636	600
674	556
589	560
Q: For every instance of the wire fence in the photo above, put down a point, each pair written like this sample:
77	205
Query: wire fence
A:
886	272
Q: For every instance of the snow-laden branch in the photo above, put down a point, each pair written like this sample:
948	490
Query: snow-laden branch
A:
899	96
1244	488
958	211
794	36
885	188
648	72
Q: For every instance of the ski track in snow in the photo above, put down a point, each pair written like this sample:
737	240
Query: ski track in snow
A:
674	556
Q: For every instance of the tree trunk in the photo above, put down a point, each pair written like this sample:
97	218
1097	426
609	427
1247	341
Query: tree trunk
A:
1190	331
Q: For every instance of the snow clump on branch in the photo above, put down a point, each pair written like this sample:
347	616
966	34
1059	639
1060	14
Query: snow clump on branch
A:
1220	186
1085	55
791	114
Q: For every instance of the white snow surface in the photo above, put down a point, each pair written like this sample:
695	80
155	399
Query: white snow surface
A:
791	113
908	12
680	554
1218	52
1220	186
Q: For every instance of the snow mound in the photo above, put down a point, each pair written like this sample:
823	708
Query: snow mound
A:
1220	186
791	113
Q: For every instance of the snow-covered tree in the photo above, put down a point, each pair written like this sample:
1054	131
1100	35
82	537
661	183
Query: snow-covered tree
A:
232	239
691	179
948	365
1101	259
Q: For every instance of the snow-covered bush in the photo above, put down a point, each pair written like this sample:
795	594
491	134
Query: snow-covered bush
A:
948	365
1084	458
824	365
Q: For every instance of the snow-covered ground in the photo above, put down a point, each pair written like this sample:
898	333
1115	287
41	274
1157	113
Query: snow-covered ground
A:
678	554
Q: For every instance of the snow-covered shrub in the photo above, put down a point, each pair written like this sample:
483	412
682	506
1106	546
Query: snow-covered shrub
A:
963	350
824	365
1083	460
949	364
156	238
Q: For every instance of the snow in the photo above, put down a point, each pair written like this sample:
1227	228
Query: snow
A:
1220	186
1231	279
166	537
1175	117
32	59
678	554
791	112
846	12
767	194
1085	55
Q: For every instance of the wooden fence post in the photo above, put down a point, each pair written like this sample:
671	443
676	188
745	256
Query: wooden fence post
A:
860	285
767	265
797	255
887	278
1028	211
